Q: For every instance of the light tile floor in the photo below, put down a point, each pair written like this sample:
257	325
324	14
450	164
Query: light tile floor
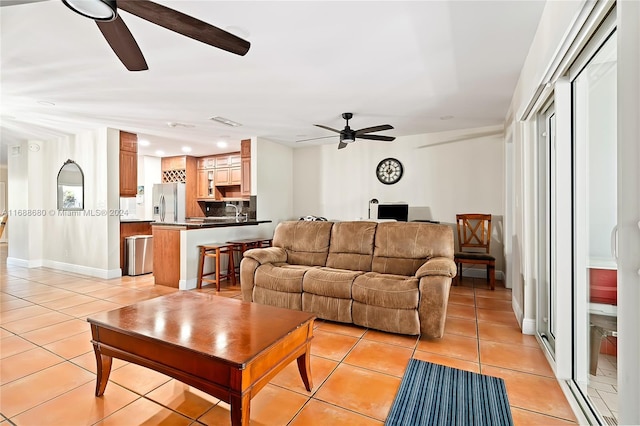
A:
603	388
47	365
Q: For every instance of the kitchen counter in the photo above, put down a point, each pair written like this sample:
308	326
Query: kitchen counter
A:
217	223
175	245
136	220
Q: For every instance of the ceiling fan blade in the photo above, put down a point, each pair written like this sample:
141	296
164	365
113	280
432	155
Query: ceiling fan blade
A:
186	25
313	139
374	129
377	138
342	145
123	44
328	128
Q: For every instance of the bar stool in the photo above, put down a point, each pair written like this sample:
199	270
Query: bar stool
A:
240	246
215	251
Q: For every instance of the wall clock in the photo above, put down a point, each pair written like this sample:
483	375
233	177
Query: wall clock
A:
389	171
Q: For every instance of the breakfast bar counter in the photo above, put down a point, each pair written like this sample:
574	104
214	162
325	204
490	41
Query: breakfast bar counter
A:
175	245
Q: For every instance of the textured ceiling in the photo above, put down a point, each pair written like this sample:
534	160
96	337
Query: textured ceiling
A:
408	64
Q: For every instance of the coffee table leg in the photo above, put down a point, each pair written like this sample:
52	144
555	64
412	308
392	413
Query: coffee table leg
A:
103	369
240	410
304	367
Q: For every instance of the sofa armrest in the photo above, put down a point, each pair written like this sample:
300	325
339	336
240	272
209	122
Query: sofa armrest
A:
432	309
267	255
442	266
251	260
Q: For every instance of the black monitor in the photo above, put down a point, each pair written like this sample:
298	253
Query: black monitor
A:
399	212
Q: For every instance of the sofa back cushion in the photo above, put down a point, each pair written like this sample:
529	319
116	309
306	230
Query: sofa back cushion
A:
306	242
402	247
351	245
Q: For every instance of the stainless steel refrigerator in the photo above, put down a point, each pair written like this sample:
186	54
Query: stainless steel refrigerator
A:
169	202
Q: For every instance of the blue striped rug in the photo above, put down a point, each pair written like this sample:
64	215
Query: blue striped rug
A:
432	394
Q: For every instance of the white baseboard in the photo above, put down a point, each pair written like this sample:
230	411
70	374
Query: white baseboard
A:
529	326
14	261
480	273
66	267
517	309
189	284
106	274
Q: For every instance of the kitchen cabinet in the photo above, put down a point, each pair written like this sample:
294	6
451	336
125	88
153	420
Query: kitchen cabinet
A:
245	166
228	170
184	169
174	163
228	176
206	163
127	229
128	164
206	181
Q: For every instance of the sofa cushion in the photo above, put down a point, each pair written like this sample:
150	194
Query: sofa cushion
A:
281	299
281	277
401	248
351	245
306	243
386	290
402	321
329	308
329	282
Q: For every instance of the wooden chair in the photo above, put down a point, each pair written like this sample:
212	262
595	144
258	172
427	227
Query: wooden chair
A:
215	251
3	223
240	246
474	244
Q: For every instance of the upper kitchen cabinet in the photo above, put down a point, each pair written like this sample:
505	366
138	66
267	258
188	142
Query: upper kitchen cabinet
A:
205	163
128	164
228	171
174	169
183	168
245	160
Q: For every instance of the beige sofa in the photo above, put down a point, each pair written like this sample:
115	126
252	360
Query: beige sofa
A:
390	276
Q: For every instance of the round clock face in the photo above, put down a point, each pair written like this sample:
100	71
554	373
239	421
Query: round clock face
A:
389	171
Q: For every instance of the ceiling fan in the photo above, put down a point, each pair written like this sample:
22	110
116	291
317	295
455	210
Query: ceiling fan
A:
117	34
348	135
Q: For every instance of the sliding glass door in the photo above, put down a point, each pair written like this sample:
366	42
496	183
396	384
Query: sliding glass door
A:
546	324
593	79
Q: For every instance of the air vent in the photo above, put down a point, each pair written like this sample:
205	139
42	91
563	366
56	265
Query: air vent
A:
15	150
225	121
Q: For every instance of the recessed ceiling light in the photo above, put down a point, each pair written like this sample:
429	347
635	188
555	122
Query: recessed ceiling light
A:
46	103
225	121
221	144
186	149
143	142
160	153
446	117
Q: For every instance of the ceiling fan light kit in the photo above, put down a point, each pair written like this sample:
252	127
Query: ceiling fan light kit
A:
347	135
99	10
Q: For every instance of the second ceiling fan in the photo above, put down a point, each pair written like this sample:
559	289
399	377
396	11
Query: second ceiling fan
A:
348	135
117	34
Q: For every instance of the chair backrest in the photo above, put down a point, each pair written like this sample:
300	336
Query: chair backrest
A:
3	222
474	231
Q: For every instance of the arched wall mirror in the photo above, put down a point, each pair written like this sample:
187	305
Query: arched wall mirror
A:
70	187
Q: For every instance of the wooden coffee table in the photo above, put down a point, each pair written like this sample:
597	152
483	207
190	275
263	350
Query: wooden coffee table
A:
225	347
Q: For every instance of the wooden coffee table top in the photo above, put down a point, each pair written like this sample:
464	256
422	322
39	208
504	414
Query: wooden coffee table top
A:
231	330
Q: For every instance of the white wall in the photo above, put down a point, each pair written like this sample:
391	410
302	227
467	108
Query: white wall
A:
272	182
444	174
3	197
555	23
87	243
